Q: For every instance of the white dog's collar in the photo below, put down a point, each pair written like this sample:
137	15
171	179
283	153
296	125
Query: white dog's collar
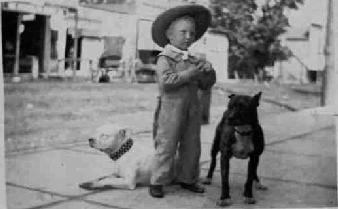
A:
122	150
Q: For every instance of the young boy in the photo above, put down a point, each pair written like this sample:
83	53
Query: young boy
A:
177	121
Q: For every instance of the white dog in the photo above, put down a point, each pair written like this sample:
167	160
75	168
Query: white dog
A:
132	158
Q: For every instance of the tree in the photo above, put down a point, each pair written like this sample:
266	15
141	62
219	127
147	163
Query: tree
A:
253	38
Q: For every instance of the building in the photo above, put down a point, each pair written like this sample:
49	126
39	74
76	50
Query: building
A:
131	20
90	31
307	61
28	25
214	47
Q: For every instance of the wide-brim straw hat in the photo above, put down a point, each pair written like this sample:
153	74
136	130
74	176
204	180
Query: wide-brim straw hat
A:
199	13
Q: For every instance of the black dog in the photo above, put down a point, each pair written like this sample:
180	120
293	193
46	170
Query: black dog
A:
238	134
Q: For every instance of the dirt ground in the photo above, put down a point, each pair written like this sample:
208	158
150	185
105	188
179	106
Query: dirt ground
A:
44	113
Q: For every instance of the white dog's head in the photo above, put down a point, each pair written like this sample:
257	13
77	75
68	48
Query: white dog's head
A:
109	138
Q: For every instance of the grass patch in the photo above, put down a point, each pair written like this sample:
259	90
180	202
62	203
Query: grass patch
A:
44	113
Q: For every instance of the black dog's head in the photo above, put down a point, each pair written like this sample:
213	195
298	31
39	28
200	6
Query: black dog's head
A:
242	110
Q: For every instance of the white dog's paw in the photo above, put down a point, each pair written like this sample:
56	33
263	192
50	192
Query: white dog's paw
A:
87	185
224	202
260	186
206	181
93	186
131	186
249	200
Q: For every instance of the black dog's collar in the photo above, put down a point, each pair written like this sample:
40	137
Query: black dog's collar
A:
243	133
123	149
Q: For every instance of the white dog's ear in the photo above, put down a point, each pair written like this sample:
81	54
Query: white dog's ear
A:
128	132
122	132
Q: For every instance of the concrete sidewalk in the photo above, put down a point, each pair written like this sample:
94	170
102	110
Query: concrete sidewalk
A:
299	167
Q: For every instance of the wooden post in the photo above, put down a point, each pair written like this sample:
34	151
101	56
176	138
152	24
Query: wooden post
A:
3	198
76	42
335	53
17	47
137	37
46	47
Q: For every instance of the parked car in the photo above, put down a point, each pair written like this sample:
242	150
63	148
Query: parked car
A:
145	69
110	67
146	73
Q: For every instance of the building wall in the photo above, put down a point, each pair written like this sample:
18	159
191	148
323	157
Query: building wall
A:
294	69
92	48
145	41
104	24
217	54
308	55
291	71
59	24
215	49
316	48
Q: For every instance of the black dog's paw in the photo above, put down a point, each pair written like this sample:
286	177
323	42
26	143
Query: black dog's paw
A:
260	186
224	202
249	200
206	181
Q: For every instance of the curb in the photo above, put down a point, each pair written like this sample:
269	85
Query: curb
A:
304	91
280	104
296	124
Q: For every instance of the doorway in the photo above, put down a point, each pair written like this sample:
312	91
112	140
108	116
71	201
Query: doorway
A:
69	51
31	40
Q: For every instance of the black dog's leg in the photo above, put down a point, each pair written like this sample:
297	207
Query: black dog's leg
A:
259	148
252	175
214	152
225	196
258	184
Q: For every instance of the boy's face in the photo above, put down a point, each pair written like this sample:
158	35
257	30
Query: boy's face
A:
181	33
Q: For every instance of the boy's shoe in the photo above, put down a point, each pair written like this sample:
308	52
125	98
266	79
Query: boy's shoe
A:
193	187
156	191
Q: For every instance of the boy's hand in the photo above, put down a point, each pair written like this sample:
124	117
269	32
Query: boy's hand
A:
194	72
204	66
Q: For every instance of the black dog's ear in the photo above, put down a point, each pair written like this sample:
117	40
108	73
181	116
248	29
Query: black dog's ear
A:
232	95
256	98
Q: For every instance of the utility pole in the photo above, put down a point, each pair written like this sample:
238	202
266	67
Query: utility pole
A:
2	126
334	50
335	33
330	79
